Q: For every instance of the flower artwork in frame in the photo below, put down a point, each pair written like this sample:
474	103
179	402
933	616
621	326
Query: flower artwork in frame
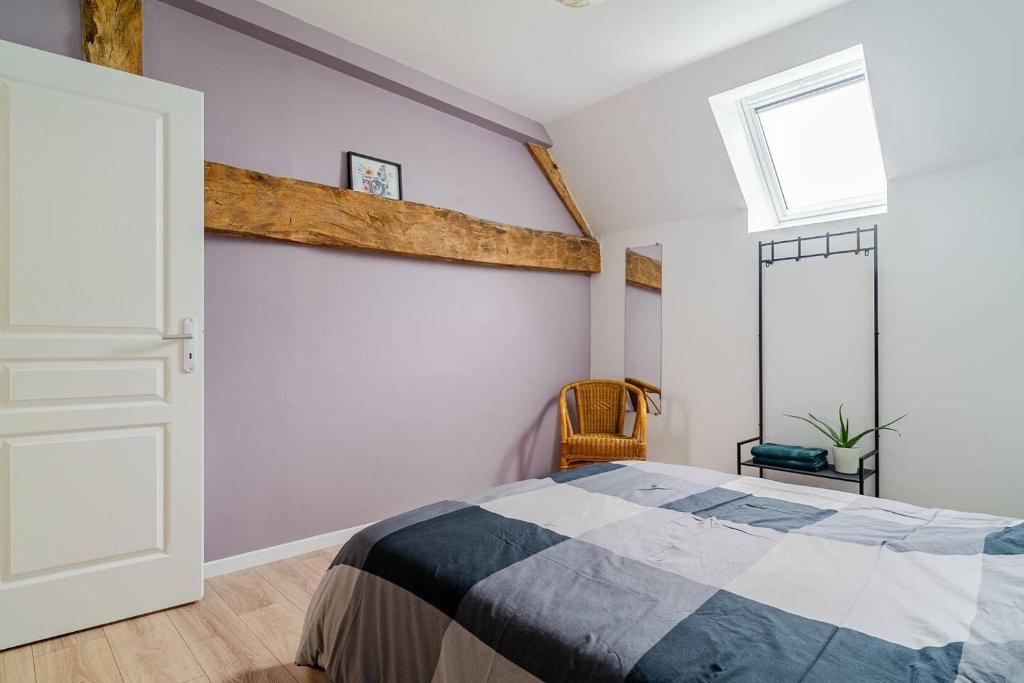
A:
374	176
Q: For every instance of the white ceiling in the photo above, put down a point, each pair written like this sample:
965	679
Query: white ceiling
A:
674	166
544	60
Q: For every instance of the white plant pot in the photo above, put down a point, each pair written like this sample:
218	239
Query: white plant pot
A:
847	460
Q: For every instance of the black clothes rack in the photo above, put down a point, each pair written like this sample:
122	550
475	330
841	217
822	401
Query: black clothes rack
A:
766	260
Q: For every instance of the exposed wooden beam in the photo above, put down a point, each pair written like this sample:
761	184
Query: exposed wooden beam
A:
250	204
643	271
554	176
112	34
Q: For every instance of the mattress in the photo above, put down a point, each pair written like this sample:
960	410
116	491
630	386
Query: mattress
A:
640	571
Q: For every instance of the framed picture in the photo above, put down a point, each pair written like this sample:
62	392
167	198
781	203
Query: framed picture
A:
374	176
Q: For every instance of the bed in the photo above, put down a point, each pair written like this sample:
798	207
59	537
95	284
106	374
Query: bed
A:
641	571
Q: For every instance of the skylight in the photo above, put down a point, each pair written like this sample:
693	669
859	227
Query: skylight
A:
804	143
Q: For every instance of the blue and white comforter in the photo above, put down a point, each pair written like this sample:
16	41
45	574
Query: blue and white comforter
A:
650	572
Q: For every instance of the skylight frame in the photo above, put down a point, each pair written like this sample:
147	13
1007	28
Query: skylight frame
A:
808	86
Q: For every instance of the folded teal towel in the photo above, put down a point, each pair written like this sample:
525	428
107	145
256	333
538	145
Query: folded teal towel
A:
774	450
815	465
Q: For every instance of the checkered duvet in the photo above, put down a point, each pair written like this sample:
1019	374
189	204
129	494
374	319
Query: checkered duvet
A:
651	572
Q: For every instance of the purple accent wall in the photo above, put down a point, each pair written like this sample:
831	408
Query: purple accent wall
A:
294	35
343	387
271	111
51	25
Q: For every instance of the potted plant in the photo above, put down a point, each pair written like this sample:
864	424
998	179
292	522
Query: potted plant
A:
845	451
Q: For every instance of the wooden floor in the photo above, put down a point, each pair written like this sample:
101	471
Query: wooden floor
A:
246	628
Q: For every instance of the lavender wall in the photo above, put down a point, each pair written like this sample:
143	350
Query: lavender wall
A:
272	111
318	45
52	25
344	387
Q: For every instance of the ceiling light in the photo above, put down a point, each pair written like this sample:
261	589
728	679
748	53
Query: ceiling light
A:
578	3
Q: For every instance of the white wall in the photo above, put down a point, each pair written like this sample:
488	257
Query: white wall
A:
947	91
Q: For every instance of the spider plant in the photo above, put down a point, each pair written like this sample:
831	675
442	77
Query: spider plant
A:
841	437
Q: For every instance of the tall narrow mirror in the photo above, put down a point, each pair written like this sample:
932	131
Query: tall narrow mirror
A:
643	322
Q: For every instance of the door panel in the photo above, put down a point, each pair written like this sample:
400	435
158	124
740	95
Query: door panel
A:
82	382
101	435
68	492
85	223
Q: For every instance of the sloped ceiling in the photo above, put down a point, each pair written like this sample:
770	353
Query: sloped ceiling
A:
945	77
542	59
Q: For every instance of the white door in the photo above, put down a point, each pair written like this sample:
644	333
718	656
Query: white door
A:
101	425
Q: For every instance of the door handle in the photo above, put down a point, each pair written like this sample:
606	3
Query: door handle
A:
188	349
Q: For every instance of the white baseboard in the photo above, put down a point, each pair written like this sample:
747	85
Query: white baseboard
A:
278	552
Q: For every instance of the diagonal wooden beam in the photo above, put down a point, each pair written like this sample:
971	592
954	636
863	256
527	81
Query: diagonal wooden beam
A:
643	271
550	169
112	34
250	204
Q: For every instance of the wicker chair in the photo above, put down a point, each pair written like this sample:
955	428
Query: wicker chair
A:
600	417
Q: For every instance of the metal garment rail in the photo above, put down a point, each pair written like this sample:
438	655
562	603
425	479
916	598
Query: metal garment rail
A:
766	261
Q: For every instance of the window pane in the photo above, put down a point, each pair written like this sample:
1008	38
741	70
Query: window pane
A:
825	147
